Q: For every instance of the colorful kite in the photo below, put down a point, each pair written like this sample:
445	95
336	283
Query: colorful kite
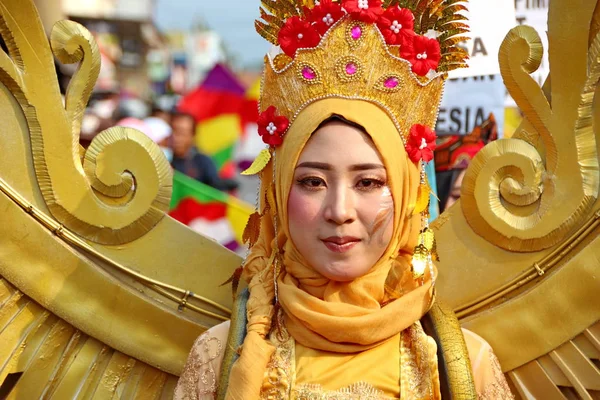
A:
209	211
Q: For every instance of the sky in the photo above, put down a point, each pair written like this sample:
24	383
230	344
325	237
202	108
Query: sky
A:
232	19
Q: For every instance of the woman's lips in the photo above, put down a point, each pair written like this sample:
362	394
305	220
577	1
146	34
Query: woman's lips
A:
340	244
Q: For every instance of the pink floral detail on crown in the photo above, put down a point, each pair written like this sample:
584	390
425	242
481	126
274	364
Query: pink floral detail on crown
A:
391	82
351	68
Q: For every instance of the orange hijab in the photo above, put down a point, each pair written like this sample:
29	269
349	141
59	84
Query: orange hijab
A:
319	313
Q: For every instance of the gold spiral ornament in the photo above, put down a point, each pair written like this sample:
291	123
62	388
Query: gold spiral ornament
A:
529	192
122	187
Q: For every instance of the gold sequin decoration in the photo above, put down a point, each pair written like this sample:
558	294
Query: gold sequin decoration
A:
281	61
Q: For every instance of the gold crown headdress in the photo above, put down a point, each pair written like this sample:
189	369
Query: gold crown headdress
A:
394	53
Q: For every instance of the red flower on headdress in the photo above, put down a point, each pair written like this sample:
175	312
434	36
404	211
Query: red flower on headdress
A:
421	143
324	15
423	53
363	10
397	25
271	127
297	33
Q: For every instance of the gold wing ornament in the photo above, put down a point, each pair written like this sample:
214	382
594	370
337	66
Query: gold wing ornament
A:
97	298
102	295
520	252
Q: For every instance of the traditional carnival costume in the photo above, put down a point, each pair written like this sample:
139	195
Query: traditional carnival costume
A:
294	333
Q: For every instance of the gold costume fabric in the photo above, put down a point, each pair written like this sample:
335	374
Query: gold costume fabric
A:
293	370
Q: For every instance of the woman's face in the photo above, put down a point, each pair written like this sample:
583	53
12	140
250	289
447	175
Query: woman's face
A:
340	207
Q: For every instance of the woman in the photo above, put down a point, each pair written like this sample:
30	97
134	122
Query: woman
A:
340	273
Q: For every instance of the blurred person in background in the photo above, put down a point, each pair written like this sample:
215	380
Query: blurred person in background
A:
453	155
163	107
163	115
132	108
99	115
160	133
188	160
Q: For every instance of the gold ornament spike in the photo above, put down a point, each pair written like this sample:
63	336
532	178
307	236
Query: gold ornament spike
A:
445	17
267	31
273	15
98	201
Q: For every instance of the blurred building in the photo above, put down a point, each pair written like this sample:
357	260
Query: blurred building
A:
194	54
134	53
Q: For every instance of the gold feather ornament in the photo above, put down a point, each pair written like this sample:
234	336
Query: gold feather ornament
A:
252	229
423	196
259	163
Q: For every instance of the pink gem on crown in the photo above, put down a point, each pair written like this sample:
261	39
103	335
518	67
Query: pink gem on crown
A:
351	68
308	73
391	82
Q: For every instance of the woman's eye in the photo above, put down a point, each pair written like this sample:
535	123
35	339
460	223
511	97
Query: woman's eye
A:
312	183
370	184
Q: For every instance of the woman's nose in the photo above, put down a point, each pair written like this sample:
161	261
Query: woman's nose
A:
339	207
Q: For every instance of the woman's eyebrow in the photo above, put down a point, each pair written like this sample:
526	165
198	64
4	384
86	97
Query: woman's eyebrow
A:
315	165
364	167
329	167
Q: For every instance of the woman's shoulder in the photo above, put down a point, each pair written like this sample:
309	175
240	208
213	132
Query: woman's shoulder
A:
201	373
490	382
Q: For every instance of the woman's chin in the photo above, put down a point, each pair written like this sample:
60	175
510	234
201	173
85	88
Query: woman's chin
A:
341	272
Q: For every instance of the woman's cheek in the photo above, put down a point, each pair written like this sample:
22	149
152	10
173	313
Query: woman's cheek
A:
377	214
303	209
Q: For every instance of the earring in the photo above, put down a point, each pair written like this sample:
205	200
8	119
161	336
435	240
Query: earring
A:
426	249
